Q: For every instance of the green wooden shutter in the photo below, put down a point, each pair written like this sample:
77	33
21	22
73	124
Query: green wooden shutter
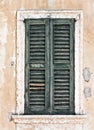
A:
37	62
49	69
63	66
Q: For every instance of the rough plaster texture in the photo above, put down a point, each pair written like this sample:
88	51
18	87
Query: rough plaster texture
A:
8	28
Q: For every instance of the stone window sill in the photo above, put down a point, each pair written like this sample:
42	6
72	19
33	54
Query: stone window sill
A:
49	119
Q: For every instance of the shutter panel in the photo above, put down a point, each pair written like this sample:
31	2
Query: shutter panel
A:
36	67
49	69
63	70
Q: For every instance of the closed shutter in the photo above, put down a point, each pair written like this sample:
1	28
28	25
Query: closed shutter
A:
49	69
36	66
63	66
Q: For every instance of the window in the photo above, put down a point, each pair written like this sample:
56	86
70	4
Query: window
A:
55	63
49	68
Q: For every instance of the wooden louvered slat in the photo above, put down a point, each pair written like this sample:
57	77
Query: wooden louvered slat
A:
37	46
36	50
64	46
37	43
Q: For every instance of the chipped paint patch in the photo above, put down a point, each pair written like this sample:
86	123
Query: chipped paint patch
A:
3	41
1	78
5	2
2	64
2	57
3	29
3	38
87	92
86	74
51	2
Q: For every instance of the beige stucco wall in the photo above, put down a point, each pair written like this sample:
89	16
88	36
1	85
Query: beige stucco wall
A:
8	45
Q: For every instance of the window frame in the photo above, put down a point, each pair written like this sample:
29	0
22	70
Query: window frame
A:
37	14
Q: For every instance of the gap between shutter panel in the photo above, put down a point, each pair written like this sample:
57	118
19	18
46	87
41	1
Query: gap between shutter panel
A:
72	74
51	76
